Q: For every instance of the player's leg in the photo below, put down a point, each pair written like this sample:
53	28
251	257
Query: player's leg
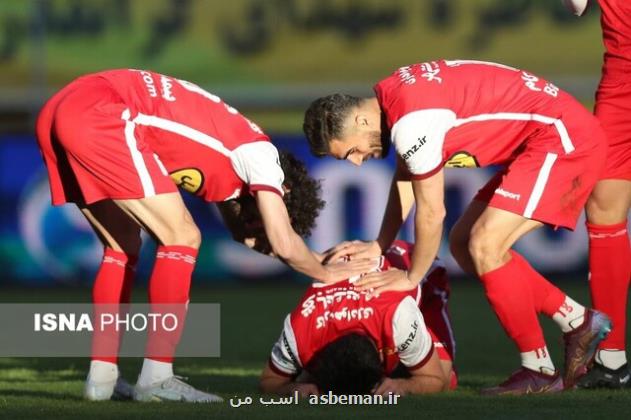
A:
166	218
460	234
610	274
517	292
120	236
607	211
507	288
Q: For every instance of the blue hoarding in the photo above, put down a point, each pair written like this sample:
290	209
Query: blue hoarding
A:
41	244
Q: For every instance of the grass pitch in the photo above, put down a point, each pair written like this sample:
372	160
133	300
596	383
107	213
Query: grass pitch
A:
251	321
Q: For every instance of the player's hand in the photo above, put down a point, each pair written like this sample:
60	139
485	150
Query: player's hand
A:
346	269
378	282
304	389
354	250
388	385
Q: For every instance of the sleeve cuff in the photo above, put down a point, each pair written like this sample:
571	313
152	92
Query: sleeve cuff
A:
431	173
261	187
424	360
276	370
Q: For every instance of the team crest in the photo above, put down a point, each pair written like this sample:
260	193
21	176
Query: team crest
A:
189	179
462	160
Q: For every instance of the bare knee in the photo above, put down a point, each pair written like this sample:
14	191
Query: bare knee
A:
485	250
609	202
186	234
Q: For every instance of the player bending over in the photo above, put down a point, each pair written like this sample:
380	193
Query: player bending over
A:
118	144
469	113
342	340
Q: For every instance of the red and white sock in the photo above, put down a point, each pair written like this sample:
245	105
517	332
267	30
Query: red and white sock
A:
169	285
112	287
569	315
509	294
549	299
538	360
609	276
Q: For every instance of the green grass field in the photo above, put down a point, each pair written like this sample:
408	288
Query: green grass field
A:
251	320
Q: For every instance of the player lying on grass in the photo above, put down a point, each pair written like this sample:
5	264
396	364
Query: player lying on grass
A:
118	144
345	341
469	113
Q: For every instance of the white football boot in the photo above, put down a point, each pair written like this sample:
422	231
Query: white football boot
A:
119	389
173	389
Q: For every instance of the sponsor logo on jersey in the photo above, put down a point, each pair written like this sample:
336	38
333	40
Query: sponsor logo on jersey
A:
149	83
431	70
406	76
462	160
166	84
415	148
408	341
189	179
507	194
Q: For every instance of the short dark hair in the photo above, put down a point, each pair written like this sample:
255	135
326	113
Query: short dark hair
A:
302	200
348	365
324	120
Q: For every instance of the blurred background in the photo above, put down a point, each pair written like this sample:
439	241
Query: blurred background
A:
269	59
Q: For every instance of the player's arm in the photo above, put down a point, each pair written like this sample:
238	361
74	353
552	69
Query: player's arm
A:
429	196
418	138
289	246
400	202
416	352
428	379
257	164
280	376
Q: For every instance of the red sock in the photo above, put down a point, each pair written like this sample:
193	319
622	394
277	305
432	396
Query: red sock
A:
610	271
169	284
546	296
508	291
112	286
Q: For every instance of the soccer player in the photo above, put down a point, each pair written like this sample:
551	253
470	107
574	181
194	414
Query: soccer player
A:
346	341
608	206
467	113
118	144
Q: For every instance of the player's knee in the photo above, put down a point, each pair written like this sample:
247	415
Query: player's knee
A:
483	247
187	234
600	211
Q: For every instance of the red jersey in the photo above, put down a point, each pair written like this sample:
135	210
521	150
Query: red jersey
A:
465	113
393	321
615	20
208	147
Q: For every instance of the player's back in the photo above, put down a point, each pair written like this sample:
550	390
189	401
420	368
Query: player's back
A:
196	136
488	109
184	103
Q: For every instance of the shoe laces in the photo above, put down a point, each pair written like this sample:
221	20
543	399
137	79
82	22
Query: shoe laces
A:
177	383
